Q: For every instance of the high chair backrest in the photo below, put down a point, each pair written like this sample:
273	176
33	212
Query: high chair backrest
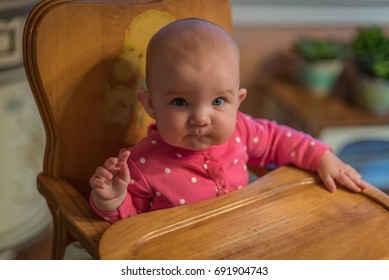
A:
84	61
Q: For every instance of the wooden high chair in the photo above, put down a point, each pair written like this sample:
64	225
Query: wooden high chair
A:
84	60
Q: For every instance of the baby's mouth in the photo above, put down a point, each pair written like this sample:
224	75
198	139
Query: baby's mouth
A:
197	134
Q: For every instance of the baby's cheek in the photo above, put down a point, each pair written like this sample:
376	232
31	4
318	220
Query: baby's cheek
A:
226	131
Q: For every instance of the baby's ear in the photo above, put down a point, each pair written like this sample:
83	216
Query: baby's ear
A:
144	98
242	94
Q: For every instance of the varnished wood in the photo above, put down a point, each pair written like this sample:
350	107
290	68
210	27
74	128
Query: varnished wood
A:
69	49
303	111
72	215
287	214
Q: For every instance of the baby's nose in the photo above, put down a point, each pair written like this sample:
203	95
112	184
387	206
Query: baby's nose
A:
200	117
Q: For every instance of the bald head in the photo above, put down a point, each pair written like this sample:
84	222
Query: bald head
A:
190	39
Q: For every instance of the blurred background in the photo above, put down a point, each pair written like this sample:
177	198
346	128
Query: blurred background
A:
269	34
24	216
313	64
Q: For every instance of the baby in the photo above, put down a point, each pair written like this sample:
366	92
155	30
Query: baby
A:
201	143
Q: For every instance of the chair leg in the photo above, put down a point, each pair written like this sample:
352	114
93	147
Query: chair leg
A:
60	236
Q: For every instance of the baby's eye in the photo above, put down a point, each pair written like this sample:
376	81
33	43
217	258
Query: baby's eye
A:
179	102
218	101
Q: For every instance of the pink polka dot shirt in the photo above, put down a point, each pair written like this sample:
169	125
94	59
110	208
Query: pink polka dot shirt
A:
164	176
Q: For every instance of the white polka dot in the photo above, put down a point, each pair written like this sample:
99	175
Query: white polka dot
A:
262	164
153	142
132	181
239	187
167	170
106	218
236	161
255	140
261	127
142	160
289	134
237	139
205	166
194	180
179	155
182	201
158	194
217	189
313	143
245	167
245	148
293	154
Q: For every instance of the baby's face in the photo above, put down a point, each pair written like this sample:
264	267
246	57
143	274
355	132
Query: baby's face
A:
195	101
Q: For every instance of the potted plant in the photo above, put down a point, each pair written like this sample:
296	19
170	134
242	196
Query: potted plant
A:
370	49
321	63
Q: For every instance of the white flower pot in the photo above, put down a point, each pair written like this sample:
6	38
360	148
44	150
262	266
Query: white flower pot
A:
320	77
373	95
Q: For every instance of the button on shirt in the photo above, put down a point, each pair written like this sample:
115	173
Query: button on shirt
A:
164	176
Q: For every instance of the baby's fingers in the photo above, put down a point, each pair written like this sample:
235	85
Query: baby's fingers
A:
110	164
124	172
103	174
329	182
358	184
123	156
350	182
97	182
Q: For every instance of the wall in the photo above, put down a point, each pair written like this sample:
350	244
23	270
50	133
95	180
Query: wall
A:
257	43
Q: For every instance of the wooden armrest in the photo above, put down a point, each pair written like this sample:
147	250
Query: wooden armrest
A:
74	212
286	214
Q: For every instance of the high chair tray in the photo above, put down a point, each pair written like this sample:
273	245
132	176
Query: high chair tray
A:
286	214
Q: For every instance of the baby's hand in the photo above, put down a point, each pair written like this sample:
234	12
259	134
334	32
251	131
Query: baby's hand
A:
332	169
110	181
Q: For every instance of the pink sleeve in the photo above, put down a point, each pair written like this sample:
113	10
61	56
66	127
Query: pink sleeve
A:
271	143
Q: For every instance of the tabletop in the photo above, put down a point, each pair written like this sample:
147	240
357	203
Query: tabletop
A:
286	214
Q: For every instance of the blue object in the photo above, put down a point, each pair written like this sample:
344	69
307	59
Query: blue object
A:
371	159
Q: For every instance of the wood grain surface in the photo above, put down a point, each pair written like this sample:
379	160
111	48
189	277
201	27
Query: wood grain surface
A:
287	214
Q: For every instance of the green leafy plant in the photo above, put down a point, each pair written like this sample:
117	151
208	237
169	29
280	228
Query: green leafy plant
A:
370	49
311	49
